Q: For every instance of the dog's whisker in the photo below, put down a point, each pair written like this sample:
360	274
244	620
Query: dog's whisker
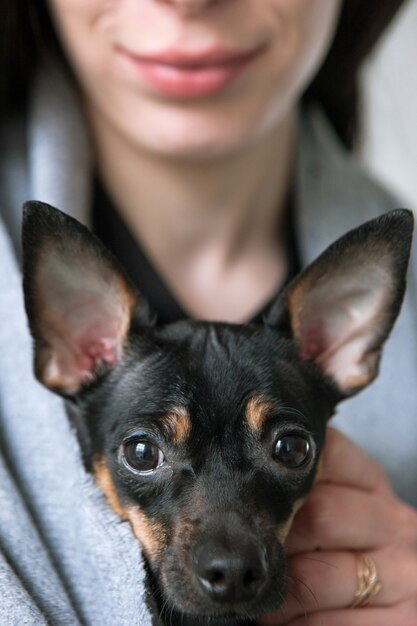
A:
316	560
171	616
303	584
299	602
164	608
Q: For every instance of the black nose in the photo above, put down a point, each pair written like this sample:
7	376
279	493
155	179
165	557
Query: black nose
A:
230	573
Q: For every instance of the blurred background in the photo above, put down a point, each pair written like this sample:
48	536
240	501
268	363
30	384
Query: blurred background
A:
389	146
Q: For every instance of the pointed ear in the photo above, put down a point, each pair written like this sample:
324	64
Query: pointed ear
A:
342	307
78	301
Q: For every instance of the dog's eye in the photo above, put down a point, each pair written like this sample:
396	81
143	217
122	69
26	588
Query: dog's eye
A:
292	450
141	455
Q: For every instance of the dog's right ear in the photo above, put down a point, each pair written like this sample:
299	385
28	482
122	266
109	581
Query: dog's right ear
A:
341	308
79	302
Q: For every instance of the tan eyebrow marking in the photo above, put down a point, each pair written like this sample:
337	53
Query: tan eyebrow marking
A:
257	411
178	423
151	534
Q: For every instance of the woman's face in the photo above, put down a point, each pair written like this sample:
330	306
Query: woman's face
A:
193	78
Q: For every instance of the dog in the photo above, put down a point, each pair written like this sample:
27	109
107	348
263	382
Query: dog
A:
207	436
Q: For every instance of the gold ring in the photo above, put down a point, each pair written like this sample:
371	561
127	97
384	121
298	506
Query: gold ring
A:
369	584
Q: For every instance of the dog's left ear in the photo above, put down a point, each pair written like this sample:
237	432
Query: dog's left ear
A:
342	307
79	302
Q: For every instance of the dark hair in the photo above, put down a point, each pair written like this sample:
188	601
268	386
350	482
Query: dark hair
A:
26	33
336	86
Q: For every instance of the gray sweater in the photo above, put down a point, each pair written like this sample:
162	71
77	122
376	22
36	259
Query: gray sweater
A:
65	558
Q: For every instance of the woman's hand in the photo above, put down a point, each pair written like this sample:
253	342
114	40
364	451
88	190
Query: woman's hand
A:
351	509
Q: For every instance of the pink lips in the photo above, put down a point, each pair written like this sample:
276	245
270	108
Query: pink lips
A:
178	74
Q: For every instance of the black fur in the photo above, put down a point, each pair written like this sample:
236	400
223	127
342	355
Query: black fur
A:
222	481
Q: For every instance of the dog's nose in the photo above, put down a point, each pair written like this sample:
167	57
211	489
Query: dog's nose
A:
230	574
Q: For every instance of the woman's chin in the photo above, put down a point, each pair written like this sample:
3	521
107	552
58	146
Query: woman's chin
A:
199	140
203	151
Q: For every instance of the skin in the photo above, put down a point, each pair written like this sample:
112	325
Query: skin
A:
212	231
215	240
351	508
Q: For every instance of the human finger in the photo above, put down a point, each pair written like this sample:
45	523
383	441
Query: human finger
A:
323	582
404	614
345	463
338	517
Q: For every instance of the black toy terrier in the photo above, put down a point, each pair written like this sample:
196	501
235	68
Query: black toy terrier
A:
206	436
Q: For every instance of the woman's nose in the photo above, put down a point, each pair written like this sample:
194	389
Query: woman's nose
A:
192	6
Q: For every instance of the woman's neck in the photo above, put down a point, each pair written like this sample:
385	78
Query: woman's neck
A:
203	220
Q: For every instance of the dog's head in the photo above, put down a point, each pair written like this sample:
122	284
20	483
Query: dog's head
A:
206	436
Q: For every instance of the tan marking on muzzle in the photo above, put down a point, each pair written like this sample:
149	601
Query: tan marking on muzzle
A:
178	423
257	411
319	469
284	529
150	534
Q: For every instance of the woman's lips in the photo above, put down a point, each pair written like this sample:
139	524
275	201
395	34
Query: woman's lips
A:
179	74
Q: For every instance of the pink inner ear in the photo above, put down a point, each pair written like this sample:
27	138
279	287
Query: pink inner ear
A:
104	349
79	334
98	343
313	341
342	354
336	324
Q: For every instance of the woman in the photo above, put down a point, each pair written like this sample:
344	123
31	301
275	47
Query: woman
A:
209	176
